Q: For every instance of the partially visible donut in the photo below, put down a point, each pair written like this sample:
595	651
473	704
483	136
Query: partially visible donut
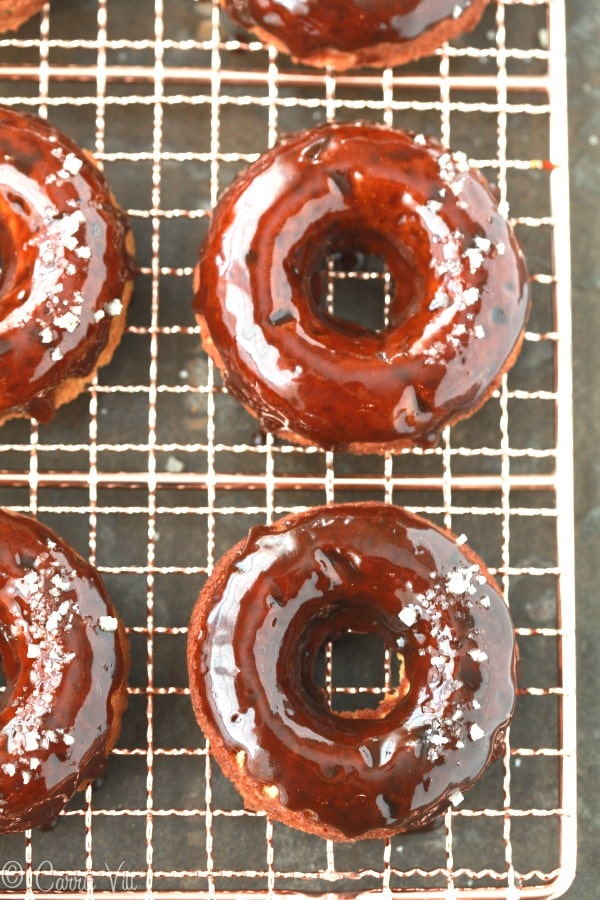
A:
347	34
66	268
457	314
14	12
278	596
65	658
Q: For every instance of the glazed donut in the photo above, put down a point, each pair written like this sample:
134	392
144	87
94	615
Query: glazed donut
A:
347	34
66	660
457	313
279	596
14	12
66	268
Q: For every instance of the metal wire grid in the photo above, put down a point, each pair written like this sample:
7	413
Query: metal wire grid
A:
157	452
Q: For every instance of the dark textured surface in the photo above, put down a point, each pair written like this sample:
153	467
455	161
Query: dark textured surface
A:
583	24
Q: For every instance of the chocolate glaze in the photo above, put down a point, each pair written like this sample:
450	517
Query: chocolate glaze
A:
64	264
279	596
15	12
456	318
348	33
66	668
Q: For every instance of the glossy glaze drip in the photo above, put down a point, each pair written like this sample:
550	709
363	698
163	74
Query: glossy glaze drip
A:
356	32
65	661
256	631
63	264
456	320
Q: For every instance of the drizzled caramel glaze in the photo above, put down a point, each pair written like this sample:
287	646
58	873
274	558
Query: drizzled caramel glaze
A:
65	659
279	596
350	33
457	313
65	266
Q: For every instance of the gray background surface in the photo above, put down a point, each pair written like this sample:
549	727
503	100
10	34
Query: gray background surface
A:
583	22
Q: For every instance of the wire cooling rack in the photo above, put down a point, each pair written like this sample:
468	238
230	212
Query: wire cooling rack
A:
156	471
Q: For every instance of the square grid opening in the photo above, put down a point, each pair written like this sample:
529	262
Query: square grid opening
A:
156	471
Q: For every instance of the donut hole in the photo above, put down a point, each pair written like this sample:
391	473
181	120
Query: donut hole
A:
352	288
365	284
358	676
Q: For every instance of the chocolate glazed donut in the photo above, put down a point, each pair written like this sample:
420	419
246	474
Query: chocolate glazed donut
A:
279	596
459	303
350	33
66	660
66	268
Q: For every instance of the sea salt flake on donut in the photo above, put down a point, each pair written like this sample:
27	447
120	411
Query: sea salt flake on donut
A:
475	732
113	307
478	655
460	581
475	258
456	798
482	243
31	579
33	651
61	581
434	206
70	320
31	740
461	161
470	296
53	621
409	615
71	165
47	335
108	623
439	661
